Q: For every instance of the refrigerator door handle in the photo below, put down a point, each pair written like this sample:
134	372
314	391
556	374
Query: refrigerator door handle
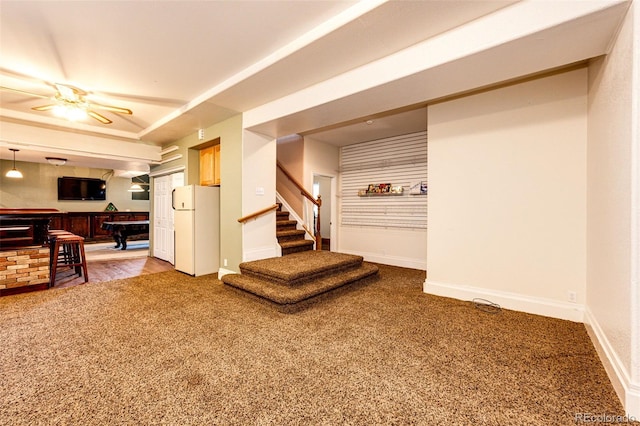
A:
173	193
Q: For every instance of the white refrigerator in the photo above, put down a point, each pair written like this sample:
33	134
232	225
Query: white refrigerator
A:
197	229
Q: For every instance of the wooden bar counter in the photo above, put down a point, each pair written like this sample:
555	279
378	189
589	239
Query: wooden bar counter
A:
24	256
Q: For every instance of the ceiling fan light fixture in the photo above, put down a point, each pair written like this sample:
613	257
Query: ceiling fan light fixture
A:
72	112
56	161
71	104
68	93
14	173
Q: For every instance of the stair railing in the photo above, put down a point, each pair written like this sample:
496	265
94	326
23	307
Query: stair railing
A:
258	213
306	194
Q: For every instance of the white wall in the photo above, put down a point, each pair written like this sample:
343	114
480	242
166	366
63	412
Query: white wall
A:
507	196
613	300
258	192
398	247
290	154
39	189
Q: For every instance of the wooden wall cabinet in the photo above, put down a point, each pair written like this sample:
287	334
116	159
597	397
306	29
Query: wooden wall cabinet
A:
79	224
96	226
210	165
89	224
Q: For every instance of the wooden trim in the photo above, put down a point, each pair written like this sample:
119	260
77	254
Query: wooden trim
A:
303	191
258	213
25	289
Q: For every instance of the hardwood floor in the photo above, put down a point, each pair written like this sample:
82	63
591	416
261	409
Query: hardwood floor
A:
107	270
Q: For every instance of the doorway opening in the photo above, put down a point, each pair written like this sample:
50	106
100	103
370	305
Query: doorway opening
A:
323	187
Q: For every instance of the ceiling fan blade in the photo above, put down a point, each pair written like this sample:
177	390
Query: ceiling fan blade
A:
24	92
99	117
110	108
43	108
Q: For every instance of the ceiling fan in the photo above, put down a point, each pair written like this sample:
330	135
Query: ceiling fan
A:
71	103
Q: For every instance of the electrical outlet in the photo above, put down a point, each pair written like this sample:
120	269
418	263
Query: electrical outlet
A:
572	296
225	262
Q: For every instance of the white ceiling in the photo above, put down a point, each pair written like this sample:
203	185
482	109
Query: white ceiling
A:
184	65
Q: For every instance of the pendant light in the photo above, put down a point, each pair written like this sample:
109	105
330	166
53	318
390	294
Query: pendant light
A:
14	173
137	185
136	188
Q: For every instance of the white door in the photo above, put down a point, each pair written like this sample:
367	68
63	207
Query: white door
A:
162	223
163	215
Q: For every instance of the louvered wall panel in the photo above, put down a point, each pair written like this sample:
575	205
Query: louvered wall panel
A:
400	161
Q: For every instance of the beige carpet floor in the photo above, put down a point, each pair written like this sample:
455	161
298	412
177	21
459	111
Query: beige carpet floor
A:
169	349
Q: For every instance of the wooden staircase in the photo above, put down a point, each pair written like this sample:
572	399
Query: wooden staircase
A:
290	238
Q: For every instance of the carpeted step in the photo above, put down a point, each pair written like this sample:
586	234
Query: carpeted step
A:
282	215
296	246
283	225
290	235
298	268
289	295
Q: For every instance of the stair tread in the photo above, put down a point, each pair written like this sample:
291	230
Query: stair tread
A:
286	294
296	243
289	232
299	267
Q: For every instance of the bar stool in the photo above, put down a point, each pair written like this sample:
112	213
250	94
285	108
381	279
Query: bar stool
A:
72	255
51	239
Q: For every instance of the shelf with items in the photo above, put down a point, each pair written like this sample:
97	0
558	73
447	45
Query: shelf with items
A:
418	188
381	189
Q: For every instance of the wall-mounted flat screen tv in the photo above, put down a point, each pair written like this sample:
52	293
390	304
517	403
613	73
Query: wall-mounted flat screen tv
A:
75	188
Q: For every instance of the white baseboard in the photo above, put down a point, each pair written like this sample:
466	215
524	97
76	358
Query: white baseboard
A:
514	301
628	392
403	262
222	272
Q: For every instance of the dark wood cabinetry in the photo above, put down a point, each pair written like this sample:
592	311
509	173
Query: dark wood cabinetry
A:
78	223
28	227
96	225
89	224
56	221
24	227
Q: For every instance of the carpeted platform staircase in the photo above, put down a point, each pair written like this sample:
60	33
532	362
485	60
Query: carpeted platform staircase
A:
291	239
290	282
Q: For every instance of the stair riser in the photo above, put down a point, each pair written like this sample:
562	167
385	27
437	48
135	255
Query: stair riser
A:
295	250
293	295
285	238
304	280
